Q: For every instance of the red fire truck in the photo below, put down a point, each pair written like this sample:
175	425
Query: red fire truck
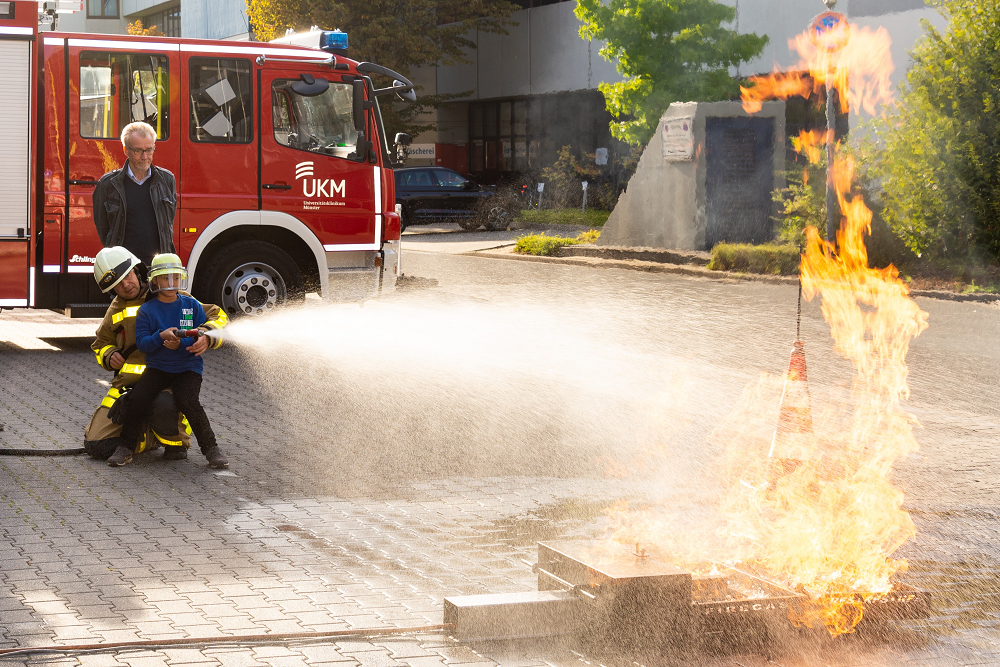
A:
283	169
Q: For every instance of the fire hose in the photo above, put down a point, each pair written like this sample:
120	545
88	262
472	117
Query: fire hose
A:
77	451
231	639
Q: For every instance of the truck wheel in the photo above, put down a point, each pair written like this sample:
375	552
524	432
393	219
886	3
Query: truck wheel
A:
253	278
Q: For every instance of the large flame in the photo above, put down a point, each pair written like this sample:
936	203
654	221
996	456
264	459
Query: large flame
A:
811	504
859	71
828	526
828	520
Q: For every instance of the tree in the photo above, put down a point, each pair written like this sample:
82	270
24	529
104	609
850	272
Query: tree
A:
137	29
668	51
934	161
399	34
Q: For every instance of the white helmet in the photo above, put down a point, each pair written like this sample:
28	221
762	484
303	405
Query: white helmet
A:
112	265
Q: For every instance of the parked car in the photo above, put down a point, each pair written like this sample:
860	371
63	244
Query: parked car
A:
429	194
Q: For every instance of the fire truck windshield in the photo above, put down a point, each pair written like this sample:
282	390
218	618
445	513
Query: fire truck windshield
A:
320	123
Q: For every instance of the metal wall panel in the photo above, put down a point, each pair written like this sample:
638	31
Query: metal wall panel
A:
15	103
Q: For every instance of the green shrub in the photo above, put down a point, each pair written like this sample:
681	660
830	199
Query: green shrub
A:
542	244
746	258
594	217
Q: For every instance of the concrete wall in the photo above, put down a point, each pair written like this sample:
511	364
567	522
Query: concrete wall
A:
214	19
542	54
664	205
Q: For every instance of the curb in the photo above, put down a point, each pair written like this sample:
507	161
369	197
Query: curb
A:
698	272
639	265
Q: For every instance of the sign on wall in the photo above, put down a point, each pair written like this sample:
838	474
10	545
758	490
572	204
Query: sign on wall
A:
678	139
422	151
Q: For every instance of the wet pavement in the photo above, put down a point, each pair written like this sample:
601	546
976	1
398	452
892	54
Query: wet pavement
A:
354	503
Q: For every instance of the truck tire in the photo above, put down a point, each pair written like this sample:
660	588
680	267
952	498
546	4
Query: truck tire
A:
252	278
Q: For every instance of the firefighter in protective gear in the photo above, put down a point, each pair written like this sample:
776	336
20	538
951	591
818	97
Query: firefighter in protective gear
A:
116	269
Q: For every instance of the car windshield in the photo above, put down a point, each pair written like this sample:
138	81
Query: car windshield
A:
450	179
320	124
418	179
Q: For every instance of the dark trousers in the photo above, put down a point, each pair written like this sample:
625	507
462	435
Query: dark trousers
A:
187	395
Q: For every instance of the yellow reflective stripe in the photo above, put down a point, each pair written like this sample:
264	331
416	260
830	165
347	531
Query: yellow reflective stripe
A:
219	322
135	369
171	443
109	399
187	426
142	445
122	314
102	352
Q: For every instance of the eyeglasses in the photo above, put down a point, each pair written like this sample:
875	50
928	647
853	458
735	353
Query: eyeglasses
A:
139	152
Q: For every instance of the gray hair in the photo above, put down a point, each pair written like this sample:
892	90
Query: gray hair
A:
138	127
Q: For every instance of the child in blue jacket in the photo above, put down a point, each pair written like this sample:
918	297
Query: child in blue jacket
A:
169	363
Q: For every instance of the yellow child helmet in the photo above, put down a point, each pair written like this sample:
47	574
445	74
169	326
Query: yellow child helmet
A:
112	265
166	272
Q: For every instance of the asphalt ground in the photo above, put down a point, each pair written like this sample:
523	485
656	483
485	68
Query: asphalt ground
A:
361	502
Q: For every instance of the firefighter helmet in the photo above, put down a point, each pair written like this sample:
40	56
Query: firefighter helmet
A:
112	265
166	272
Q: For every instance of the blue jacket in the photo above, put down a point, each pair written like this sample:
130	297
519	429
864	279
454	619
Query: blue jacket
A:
153	317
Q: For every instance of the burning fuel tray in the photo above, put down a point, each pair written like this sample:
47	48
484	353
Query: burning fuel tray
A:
632	597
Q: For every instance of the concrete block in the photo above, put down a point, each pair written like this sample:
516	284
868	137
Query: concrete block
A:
514	615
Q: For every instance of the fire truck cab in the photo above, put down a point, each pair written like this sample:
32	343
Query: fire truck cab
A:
283	170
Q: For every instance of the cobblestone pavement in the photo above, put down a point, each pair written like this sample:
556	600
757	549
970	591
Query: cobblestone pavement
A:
309	532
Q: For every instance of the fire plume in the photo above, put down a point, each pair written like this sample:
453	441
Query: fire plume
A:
811	143
859	71
829	526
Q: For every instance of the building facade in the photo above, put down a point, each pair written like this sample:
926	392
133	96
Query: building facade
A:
211	19
524	95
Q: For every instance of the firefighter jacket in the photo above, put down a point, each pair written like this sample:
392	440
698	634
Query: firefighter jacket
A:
117	334
109	206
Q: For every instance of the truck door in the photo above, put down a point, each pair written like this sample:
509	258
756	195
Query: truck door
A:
220	143
110	87
310	166
15	168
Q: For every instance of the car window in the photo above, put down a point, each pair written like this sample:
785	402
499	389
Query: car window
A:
419	178
449	179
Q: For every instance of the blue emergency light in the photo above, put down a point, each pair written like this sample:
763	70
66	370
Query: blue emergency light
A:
333	41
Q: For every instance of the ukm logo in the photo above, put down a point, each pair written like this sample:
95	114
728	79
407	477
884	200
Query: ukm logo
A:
318	187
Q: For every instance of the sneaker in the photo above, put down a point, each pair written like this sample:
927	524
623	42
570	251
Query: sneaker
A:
174	453
121	456
216	458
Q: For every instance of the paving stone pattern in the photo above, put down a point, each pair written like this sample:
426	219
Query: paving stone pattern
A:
160	550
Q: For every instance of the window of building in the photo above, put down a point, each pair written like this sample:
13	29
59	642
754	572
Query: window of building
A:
168	22
119	88
318	123
498	136
102	9
221	101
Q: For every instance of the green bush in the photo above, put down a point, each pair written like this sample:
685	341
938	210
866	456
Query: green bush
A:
565	216
542	244
746	258
932	163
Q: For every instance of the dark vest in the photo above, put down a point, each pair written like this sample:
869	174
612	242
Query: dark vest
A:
141	236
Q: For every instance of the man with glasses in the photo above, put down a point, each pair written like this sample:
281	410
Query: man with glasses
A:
134	206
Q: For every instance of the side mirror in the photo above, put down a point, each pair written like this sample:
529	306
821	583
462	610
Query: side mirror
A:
359	104
406	93
403	139
469	185
310	86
